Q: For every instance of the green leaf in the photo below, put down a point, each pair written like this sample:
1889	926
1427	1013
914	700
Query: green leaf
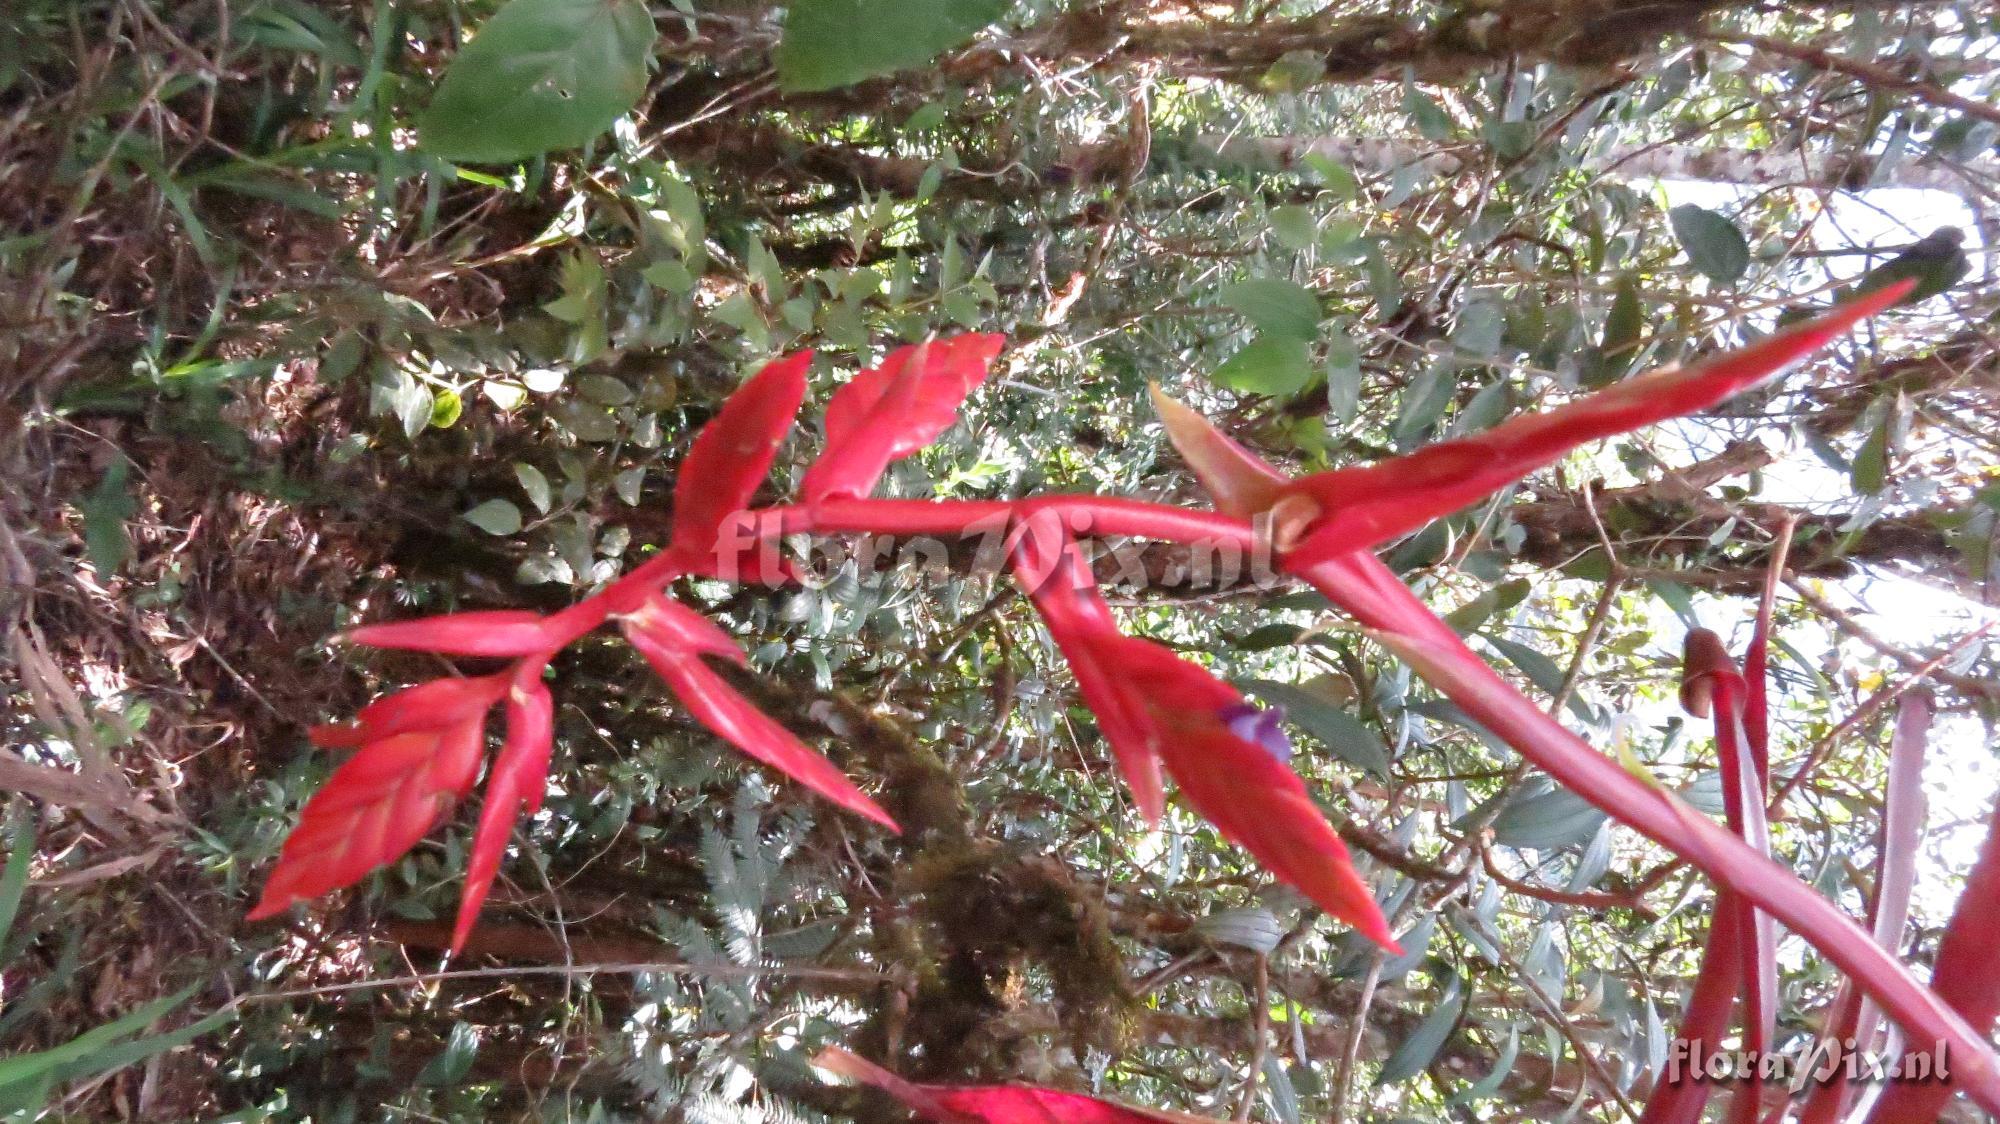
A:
1622	327
1503	1068
1937	261
1334	176
831	43
1553	818
1421	1047
1333	727
1295	227
535	484
454	1061
1424	402
1343	377
105	511
1275	365
446	408
1278	307
20	853
540	75
495	517
1712	242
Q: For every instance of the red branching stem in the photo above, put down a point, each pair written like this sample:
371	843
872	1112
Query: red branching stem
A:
1367	589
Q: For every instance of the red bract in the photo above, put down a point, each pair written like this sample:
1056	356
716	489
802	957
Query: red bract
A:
515	784
1048	565
1366	505
1158	708
732	455
420	752
674	638
993	1104
895	409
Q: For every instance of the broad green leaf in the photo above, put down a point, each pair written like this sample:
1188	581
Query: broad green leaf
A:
1278	307
535	484
20	853
1333	175
1713	243
446	408
1424	403
1870	471
1416	944
1503	1068
539	75
1295	227
495	517
1275	365
454	1061
105	511
831	43
1620	345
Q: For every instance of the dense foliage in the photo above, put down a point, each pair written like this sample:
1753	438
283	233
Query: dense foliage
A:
323	316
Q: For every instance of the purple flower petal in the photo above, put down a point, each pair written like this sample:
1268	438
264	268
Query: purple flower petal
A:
1261	726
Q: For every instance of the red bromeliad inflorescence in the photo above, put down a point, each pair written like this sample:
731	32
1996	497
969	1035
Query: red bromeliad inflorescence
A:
1164	715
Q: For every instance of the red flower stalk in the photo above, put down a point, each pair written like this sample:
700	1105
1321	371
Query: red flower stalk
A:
993	1104
1156	707
888	412
1744	948
1356	508
674	638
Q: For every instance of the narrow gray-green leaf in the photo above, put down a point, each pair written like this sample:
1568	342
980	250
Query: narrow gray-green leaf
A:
1423	1044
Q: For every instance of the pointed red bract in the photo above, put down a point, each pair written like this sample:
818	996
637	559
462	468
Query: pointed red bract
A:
426	706
1239	481
1365	505
500	632
1050	567
732	454
1155	707
515	784
891	411
673	639
1254	800
373	809
993	1104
